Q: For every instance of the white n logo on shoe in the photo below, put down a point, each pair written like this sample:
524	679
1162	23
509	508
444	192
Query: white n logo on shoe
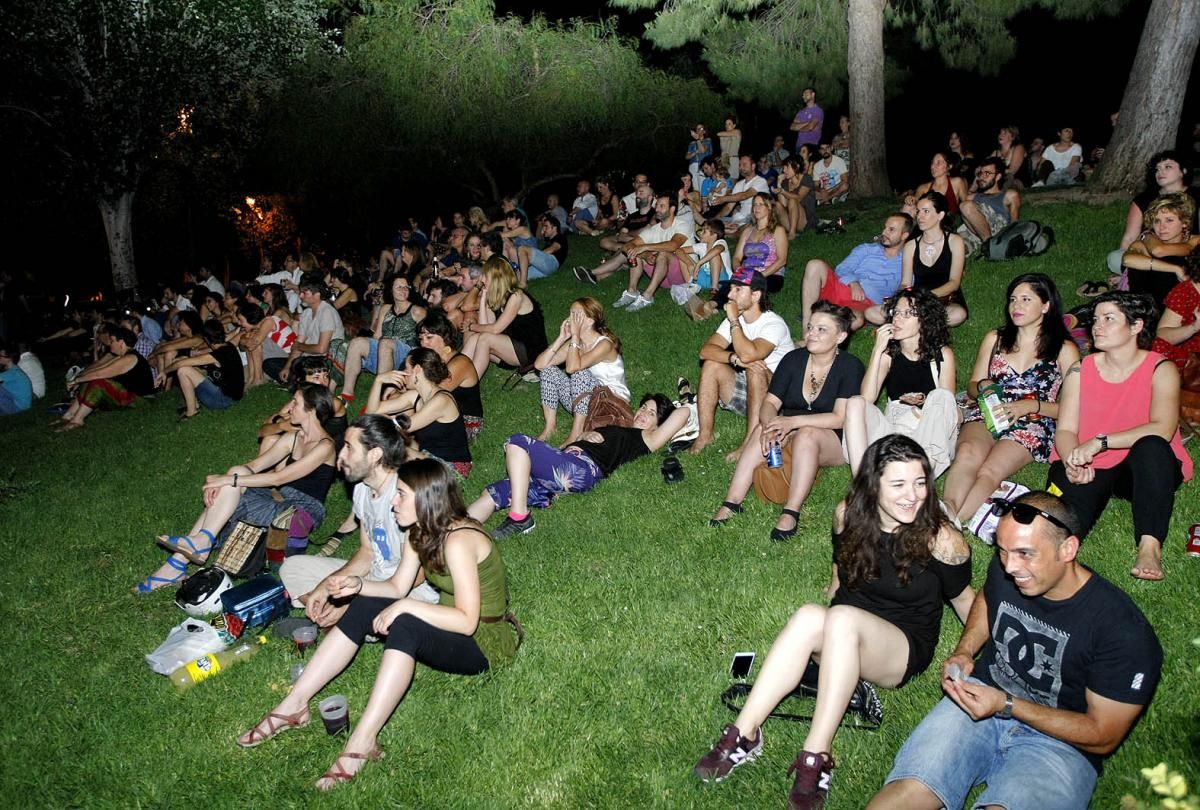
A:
737	755
823	782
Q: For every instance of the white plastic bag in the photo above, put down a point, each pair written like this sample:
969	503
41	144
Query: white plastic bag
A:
983	523
186	642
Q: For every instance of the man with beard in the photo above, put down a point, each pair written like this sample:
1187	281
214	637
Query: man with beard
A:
373	451
864	280
654	253
989	208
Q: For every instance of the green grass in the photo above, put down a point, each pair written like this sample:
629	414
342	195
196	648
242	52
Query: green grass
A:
632	606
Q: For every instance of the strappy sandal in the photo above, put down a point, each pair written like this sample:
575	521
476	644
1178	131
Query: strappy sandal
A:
783	535
153	583
1091	289
186	547
735	508
340	776
274	729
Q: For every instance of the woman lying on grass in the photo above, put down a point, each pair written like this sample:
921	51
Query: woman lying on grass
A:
469	632
896	558
539	473
301	469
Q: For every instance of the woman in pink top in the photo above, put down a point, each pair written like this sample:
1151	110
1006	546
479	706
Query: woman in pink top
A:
1118	428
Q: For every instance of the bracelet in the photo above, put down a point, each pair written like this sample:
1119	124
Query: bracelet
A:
575	345
235	475
360	583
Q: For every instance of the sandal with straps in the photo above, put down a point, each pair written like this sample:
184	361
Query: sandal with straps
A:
153	583
274	729
783	535
338	775
734	508
186	547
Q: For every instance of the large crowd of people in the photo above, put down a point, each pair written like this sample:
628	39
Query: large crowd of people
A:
428	319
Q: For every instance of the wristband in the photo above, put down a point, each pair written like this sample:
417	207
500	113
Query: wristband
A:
235	475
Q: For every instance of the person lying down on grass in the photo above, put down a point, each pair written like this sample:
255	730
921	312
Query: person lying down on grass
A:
539	473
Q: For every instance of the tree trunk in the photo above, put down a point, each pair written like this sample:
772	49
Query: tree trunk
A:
118	226
1153	100
868	169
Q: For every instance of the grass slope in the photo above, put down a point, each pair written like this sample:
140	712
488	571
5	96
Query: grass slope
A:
633	609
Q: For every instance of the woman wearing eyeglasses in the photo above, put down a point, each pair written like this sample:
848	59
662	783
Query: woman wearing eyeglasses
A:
913	363
1118	431
1026	359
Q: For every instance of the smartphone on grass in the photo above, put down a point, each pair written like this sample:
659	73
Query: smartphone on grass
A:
739	669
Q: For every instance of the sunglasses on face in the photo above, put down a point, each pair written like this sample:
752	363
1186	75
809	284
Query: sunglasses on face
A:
1024	513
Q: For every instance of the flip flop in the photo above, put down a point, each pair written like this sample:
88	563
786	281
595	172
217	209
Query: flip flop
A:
185	546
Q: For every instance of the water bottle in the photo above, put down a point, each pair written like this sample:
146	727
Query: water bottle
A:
212	664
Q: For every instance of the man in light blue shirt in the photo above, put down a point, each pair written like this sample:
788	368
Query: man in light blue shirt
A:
864	279
16	391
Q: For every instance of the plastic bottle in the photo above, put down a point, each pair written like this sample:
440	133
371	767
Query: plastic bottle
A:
208	665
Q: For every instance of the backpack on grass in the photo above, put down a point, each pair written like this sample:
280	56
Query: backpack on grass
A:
1025	237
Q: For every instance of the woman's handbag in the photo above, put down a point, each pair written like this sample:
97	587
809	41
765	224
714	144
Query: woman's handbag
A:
244	553
604	409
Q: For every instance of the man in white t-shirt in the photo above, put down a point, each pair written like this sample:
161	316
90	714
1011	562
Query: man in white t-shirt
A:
738	360
204	276
736	213
320	325
372	453
585	208
831	176
289	279
654	252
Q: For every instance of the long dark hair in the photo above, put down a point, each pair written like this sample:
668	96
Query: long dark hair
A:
859	546
934	325
1052	333
438	503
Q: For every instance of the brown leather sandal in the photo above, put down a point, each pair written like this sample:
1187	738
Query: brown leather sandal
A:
339	776
285	722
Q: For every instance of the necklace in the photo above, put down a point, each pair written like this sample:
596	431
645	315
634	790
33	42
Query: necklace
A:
815	385
928	248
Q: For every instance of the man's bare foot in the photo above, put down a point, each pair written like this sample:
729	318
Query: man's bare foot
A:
1149	561
698	446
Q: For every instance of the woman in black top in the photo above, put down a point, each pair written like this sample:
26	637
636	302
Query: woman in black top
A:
116	380
300	469
213	378
436	422
803	412
896	559
933	258
437	333
539	473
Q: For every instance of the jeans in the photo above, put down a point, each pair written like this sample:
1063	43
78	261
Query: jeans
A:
1024	769
212	397
542	264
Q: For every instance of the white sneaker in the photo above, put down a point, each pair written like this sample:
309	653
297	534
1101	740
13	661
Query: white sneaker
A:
640	303
626	299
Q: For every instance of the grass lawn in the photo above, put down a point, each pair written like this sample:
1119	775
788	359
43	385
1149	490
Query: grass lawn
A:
633	607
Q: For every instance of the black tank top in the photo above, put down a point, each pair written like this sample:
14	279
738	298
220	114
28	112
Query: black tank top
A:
930	277
620	446
446	440
139	379
316	484
909	377
468	400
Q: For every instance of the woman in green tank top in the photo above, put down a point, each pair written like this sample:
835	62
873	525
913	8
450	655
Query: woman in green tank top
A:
468	632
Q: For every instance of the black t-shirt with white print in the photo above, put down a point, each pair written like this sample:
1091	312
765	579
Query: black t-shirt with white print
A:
1050	652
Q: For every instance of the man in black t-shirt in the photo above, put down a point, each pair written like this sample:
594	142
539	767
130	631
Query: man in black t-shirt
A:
1068	664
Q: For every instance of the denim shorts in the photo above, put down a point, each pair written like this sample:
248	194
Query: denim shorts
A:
1024	769
371	361
212	397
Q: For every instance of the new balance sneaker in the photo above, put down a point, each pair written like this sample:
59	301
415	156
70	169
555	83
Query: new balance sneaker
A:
641	303
813	774
685	390
509	527
626	299
730	751
585	275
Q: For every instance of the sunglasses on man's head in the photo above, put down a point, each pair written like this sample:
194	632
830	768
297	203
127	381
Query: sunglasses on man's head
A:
1024	513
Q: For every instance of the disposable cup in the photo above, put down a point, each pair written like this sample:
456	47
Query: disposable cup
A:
304	637
335	714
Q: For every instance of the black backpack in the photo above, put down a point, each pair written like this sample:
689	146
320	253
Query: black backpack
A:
1023	238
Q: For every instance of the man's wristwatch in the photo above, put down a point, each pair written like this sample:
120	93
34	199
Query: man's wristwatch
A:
1006	712
1103	439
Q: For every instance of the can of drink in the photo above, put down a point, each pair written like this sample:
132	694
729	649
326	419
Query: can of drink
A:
1193	544
774	456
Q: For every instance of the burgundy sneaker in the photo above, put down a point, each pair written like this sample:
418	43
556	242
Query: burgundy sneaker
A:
730	751
813	774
